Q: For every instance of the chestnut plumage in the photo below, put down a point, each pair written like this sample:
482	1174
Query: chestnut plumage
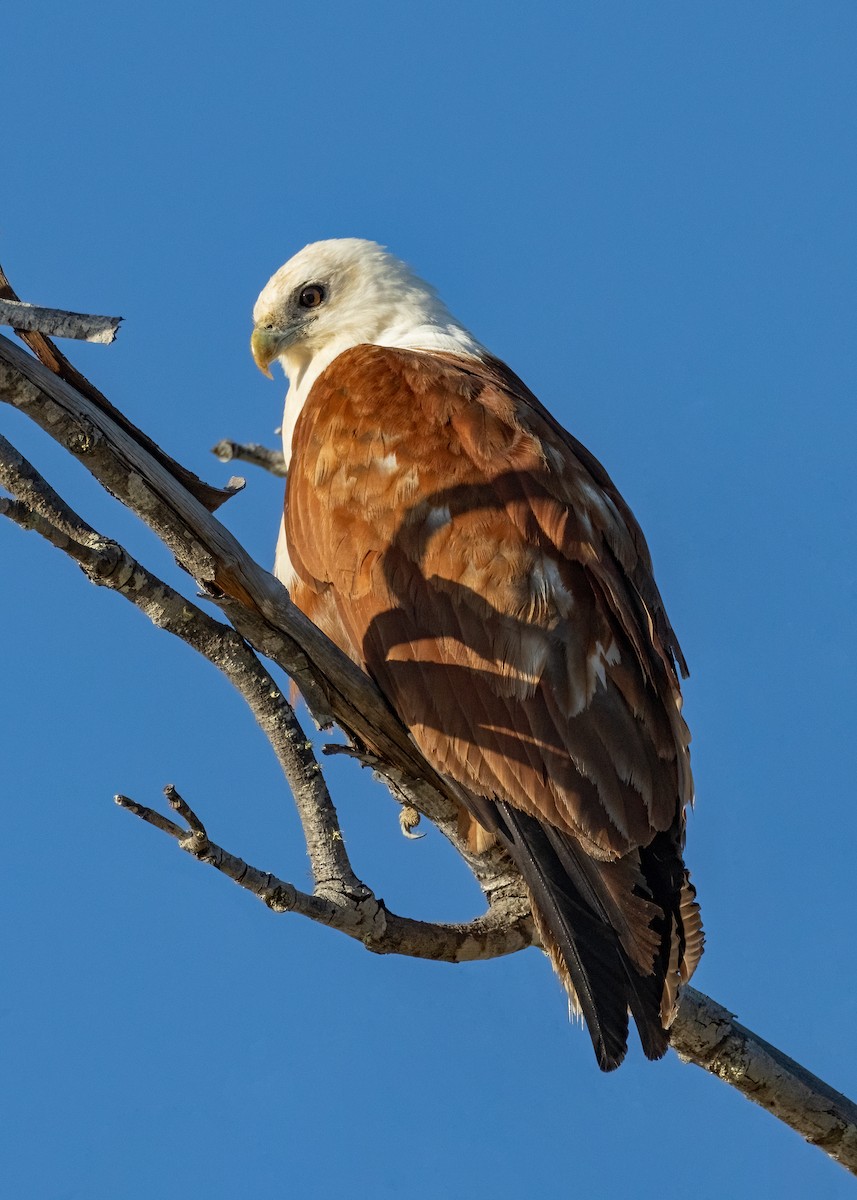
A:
446	532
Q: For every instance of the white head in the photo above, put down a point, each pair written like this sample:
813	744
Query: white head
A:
347	292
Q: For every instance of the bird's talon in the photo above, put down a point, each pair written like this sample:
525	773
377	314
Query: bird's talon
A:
409	818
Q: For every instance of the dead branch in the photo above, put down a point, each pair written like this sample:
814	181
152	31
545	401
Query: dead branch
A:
251	452
128	464
365	918
493	869
52	357
339	898
250	596
256	604
707	1034
56	322
108	564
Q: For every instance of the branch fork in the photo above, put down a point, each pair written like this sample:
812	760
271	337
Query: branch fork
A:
178	507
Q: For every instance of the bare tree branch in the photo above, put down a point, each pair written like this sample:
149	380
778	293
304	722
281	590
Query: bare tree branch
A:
707	1034
174	612
56	322
52	357
499	932
257	605
108	564
251	452
143	478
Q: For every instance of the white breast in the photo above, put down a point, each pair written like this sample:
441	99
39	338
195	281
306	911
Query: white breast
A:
283	568
295	400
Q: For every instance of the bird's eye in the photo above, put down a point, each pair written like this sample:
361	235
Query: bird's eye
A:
311	296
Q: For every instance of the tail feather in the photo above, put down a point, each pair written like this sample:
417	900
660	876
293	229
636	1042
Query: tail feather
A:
583	948
641	942
622	936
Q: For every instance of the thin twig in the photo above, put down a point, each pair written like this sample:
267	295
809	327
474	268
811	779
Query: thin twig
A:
184	810
276	893
51	357
499	932
251	452
21	478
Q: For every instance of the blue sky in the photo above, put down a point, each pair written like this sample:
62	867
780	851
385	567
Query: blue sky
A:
648	211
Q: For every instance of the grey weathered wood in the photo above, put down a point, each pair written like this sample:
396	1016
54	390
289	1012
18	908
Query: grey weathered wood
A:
339	898
57	322
708	1035
704	1032
502	930
251	452
255	602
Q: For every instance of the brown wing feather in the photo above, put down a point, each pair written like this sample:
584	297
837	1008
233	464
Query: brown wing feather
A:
480	564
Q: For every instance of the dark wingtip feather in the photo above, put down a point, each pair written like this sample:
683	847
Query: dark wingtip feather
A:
583	948
572	912
607	1027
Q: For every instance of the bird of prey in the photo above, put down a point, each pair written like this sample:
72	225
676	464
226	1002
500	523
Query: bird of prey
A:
445	531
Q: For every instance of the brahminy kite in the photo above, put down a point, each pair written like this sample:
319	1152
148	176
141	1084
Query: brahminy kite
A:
445	531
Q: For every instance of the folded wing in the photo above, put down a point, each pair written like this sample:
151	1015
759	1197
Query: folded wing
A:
479	563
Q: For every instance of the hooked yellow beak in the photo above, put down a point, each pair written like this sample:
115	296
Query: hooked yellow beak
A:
265	345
